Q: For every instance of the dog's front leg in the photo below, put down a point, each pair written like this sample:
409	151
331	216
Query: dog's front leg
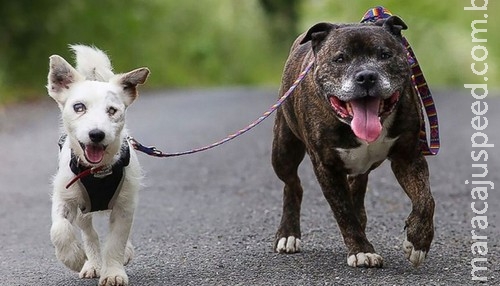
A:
357	186
413	176
336	191
92	266
62	234
113	272
287	154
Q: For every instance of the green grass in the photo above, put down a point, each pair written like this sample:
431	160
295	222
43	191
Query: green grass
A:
217	42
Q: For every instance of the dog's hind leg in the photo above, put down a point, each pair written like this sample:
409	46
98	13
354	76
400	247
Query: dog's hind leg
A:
413	176
92	267
287	154
62	234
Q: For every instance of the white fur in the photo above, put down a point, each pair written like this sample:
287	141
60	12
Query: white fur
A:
288	245
365	259
416	257
347	85
95	86
93	63
359	160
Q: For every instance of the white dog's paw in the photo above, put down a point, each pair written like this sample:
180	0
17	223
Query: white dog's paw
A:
288	245
90	270
365	260
73	257
129	253
116	277
68	249
416	257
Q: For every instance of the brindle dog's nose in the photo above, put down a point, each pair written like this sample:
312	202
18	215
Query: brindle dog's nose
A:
366	79
96	135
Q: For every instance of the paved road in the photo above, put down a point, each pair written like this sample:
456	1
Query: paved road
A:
209	218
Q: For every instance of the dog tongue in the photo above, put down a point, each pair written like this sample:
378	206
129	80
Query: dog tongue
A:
94	153
365	121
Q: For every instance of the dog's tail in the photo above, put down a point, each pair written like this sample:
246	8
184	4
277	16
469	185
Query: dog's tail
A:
92	63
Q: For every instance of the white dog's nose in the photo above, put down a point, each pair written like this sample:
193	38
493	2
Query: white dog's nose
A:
96	135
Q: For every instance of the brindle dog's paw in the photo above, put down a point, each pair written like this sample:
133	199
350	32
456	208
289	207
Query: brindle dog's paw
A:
417	241
416	257
362	259
89	270
289	244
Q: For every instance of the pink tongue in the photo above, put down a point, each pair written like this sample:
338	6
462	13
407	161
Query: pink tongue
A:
94	153
365	122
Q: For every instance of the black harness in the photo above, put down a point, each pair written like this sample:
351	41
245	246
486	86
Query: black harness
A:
100	189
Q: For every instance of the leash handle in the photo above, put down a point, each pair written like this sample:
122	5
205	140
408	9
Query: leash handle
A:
153	151
420	86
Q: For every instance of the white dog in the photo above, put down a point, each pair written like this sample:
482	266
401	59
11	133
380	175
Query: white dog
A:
98	169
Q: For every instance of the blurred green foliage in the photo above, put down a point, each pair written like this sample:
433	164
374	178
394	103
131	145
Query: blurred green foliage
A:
218	42
438	31
184	43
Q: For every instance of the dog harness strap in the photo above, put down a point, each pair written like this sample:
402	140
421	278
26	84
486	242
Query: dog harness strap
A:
61	141
100	185
420	86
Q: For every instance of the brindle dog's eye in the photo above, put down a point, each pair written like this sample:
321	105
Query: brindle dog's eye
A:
79	107
339	59
385	55
112	111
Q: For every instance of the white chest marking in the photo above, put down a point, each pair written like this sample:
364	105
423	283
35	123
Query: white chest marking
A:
360	159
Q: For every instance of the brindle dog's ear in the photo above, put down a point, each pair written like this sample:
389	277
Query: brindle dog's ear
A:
317	33
393	25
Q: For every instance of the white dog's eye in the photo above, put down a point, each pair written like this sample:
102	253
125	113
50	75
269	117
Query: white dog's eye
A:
79	107
112	111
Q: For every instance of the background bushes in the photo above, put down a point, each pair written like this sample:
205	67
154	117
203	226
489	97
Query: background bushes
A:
218	42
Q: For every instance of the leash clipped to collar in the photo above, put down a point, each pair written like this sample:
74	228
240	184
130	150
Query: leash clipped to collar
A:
420	86
83	174
152	151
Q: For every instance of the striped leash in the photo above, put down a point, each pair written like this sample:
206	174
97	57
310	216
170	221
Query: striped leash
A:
153	151
420	85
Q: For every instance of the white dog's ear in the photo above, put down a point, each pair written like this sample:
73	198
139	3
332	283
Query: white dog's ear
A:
129	82
61	76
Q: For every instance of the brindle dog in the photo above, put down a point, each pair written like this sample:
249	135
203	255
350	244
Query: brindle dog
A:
355	108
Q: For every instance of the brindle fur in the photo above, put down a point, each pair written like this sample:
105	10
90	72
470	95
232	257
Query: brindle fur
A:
306	123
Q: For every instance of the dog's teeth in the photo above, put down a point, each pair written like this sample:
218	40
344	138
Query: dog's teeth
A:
349	108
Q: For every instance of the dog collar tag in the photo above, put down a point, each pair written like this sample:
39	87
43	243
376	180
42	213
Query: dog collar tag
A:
103	173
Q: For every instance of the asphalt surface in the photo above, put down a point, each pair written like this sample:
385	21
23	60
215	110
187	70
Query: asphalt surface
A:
210	218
